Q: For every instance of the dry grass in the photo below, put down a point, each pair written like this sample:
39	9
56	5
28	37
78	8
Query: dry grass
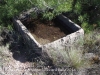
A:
69	56
92	42
74	56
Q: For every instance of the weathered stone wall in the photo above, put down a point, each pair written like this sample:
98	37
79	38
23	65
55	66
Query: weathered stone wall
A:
54	47
28	38
77	34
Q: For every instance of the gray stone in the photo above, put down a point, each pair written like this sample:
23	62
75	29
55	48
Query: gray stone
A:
56	46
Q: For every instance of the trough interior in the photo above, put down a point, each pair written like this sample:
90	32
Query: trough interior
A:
46	32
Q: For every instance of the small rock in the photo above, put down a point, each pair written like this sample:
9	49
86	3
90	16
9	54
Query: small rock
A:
92	57
89	55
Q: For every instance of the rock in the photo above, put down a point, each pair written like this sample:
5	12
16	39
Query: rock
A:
92	57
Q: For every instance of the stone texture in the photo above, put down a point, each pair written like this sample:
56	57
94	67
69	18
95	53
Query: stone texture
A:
76	33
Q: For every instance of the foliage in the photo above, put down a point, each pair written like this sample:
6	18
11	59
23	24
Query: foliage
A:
70	56
88	13
11	8
51	8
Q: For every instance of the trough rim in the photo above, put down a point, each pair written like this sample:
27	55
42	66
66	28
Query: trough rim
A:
26	31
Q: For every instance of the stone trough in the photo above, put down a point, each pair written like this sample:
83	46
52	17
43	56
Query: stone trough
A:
56	46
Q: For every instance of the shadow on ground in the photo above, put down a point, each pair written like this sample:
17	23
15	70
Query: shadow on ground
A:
20	50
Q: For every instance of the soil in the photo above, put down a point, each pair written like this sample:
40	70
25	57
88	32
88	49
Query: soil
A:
13	59
45	31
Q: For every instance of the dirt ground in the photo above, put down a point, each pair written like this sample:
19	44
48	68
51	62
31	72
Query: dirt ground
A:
17	59
45	31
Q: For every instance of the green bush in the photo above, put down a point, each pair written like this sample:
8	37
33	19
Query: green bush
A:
49	8
11	8
52	8
88	13
84	12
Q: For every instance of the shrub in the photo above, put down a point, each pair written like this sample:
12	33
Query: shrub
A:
87	12
49	8
92	41
70	56
52	8
10	8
